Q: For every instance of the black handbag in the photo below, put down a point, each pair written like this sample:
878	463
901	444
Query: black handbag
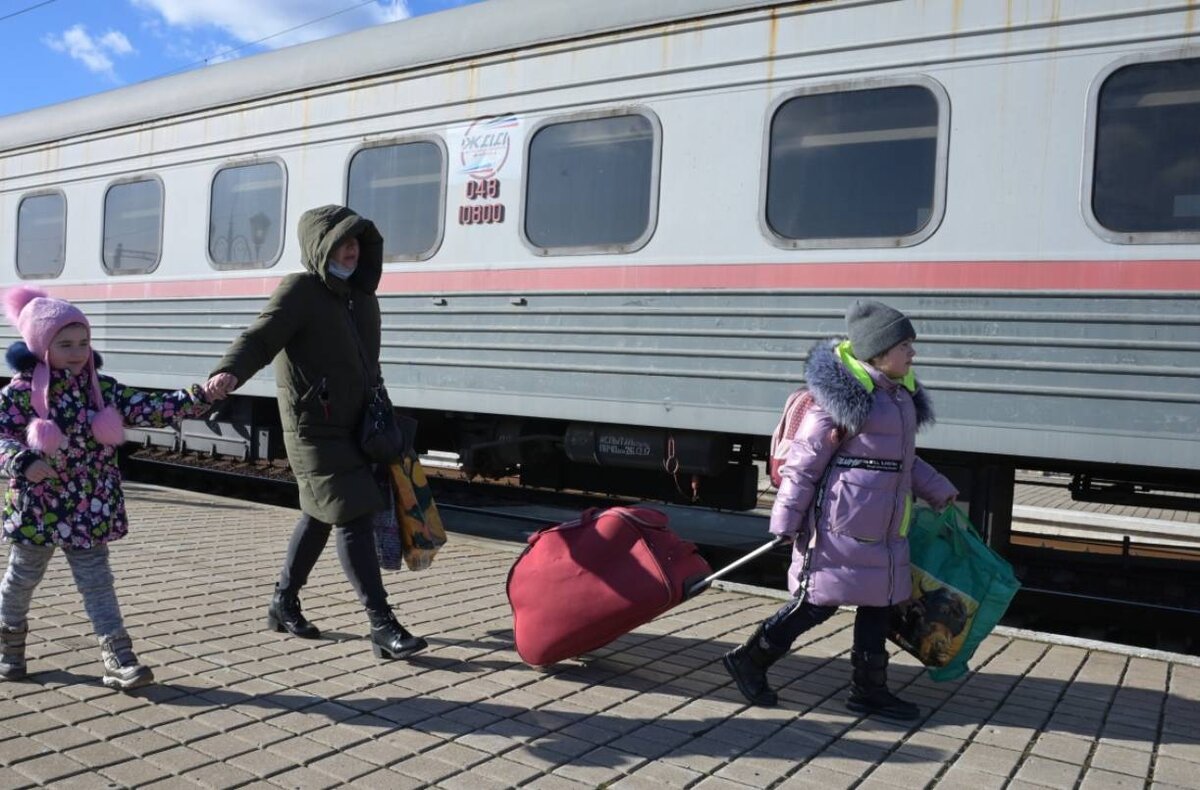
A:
380	435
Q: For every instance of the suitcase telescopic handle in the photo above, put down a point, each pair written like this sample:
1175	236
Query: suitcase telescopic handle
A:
707	581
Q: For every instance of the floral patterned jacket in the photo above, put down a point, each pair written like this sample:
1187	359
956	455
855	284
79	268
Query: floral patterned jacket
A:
84	506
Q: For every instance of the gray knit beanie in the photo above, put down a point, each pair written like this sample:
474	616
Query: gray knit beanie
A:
874	328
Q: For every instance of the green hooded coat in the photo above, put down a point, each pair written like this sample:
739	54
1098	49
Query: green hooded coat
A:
308	328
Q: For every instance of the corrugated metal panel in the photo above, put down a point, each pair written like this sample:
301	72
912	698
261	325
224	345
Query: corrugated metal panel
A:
1067	377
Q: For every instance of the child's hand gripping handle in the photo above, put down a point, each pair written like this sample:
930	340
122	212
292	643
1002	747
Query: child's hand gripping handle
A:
706	582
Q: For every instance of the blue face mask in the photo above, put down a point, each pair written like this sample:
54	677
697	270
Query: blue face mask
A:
339	272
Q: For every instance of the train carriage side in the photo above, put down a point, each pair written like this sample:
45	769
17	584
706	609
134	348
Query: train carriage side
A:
608	257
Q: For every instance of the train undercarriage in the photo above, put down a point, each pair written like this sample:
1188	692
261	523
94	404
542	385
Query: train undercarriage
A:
718	471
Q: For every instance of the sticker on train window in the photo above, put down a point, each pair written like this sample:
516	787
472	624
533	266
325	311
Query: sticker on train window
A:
486	165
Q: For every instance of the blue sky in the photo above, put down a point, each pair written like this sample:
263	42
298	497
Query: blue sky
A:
55	50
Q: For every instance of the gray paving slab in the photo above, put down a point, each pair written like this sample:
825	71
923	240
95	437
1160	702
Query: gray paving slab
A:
237	706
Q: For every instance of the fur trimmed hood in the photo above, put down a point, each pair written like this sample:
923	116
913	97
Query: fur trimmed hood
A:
843	396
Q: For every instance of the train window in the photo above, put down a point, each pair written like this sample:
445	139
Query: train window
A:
245	216
133	212
591	184
856	168
41	235
402	188
1146	178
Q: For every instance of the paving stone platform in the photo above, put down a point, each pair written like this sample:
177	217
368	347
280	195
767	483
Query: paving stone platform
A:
236	706
1032	490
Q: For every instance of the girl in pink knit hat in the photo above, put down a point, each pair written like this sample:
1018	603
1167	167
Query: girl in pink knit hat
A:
60	426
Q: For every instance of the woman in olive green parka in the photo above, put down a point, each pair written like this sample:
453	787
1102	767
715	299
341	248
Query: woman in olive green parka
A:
322	329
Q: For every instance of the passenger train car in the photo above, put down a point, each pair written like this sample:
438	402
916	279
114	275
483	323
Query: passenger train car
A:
614	230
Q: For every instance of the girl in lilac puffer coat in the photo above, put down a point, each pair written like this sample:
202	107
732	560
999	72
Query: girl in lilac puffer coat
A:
845	500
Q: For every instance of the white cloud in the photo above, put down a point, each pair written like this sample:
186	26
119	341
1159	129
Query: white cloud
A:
114	41
268	19
93	53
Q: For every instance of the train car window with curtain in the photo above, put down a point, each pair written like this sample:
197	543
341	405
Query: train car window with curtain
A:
41	235
858	167
246	213
133	212
1147	162
402	189
590	185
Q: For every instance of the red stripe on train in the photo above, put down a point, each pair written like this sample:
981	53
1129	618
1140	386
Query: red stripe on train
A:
1142	275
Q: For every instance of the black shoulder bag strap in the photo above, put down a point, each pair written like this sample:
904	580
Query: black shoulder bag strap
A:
368	367
377	394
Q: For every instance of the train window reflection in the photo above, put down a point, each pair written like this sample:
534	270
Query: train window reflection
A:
402	189
590	185
133	213
1147	163
858	166
41	235
245	220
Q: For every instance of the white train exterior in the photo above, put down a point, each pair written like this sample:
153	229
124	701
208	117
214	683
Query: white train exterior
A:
615	229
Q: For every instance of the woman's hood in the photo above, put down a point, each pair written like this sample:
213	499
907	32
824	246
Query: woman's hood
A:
322	229
840	393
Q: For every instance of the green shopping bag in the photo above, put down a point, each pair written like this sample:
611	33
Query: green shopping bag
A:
961	589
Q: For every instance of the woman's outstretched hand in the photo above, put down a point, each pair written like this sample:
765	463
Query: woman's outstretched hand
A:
220	385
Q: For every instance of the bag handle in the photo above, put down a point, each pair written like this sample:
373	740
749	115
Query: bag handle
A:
958	518
589	517
954	523
585	518
707	581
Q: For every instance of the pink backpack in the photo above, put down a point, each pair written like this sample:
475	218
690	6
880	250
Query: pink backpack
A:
794	410
798	404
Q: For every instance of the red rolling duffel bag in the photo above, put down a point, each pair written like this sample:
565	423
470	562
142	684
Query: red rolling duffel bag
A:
581	584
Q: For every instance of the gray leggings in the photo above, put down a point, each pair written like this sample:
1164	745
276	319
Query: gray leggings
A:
93	578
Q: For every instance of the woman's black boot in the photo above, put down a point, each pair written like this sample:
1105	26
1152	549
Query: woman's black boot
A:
389	639
868	688
748	665
284	615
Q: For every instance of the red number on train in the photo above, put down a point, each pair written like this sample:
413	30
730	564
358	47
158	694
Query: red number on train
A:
488	189
481	214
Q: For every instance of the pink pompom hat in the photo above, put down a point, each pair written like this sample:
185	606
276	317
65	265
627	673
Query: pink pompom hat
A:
39	317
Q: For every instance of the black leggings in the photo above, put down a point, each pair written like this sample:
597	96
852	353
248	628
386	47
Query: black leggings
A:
797	616
356	550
